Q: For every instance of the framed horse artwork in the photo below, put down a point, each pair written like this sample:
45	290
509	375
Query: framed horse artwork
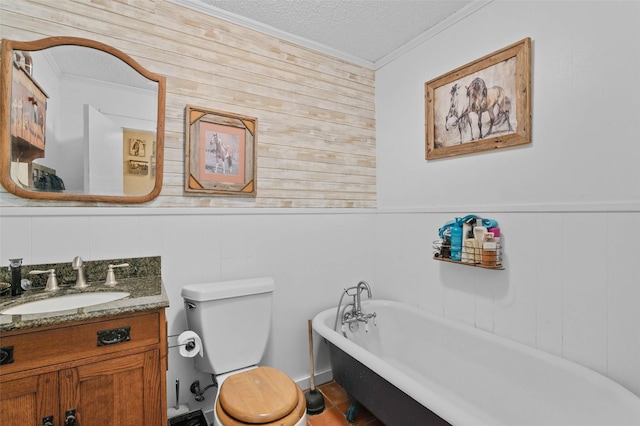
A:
481	106
220	153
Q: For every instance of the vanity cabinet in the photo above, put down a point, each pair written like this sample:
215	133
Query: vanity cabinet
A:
107	371
27	401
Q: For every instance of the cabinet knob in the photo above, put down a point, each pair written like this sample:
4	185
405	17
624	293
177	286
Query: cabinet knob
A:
70	419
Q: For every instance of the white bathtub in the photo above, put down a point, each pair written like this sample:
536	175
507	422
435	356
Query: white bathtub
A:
471	377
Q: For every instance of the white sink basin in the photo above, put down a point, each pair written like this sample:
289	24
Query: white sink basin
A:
63	303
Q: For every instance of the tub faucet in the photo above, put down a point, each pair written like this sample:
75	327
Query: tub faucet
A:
351	313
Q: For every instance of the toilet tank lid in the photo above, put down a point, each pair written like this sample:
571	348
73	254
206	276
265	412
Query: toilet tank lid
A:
226	289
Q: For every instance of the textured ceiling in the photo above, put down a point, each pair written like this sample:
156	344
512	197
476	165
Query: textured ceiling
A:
367	30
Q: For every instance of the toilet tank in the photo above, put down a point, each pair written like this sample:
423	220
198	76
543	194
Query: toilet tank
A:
233	319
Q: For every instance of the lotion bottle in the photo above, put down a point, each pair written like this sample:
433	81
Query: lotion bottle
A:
467	234
489	251
479	233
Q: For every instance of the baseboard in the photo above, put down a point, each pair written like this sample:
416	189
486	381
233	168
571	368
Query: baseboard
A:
320	378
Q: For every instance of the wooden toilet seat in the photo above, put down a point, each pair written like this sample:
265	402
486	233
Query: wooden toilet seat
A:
261	396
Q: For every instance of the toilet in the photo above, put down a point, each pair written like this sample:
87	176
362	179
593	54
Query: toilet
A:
233	319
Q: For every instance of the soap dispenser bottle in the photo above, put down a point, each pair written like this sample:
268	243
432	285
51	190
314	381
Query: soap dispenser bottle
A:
16	276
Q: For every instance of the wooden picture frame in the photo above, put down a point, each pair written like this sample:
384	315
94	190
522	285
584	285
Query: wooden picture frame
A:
480	106
139	168
220	153
137	147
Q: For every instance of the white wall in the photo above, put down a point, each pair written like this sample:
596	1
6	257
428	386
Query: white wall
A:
585	101
566	203
311	254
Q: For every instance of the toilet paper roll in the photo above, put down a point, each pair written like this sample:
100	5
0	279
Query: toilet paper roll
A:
190	344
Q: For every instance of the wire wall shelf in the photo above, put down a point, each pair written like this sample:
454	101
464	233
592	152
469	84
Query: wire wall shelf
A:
469	254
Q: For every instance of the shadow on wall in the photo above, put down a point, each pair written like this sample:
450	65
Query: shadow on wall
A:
486	283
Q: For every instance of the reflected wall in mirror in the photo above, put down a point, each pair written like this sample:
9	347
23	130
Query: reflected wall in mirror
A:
80	121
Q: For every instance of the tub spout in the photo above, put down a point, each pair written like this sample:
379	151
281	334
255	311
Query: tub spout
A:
362	285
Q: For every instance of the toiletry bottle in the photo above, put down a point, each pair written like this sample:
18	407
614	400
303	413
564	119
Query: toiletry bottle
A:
469	243
489	251
470	251
479	233
466	227
496	236
456	240
16	276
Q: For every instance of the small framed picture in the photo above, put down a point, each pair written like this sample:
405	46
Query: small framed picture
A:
140	168
137	147
220	154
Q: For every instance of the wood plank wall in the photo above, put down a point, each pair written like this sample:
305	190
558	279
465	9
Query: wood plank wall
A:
316	113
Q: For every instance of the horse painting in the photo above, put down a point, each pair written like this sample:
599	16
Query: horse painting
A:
221	154
469	103
490	100
458	115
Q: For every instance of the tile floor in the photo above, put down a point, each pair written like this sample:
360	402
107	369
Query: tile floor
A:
336	402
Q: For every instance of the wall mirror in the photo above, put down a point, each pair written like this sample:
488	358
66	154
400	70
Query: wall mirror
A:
80	121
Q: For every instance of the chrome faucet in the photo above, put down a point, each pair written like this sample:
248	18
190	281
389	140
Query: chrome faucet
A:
81	281
351	313
362	285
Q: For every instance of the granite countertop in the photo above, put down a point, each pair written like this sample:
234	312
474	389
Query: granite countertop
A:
146	292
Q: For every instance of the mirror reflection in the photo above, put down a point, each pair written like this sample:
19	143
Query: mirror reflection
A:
84	123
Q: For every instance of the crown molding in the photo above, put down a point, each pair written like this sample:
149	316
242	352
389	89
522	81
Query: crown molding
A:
470	9
269	30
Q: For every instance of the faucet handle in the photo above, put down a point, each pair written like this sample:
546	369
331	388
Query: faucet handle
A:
111	276
52	280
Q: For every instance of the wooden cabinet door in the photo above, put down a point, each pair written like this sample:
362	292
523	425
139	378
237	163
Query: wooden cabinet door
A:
29	400
124	391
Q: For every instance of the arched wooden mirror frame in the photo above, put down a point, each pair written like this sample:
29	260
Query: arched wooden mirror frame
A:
8	48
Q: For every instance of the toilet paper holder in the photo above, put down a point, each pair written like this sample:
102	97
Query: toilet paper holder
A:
189	345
